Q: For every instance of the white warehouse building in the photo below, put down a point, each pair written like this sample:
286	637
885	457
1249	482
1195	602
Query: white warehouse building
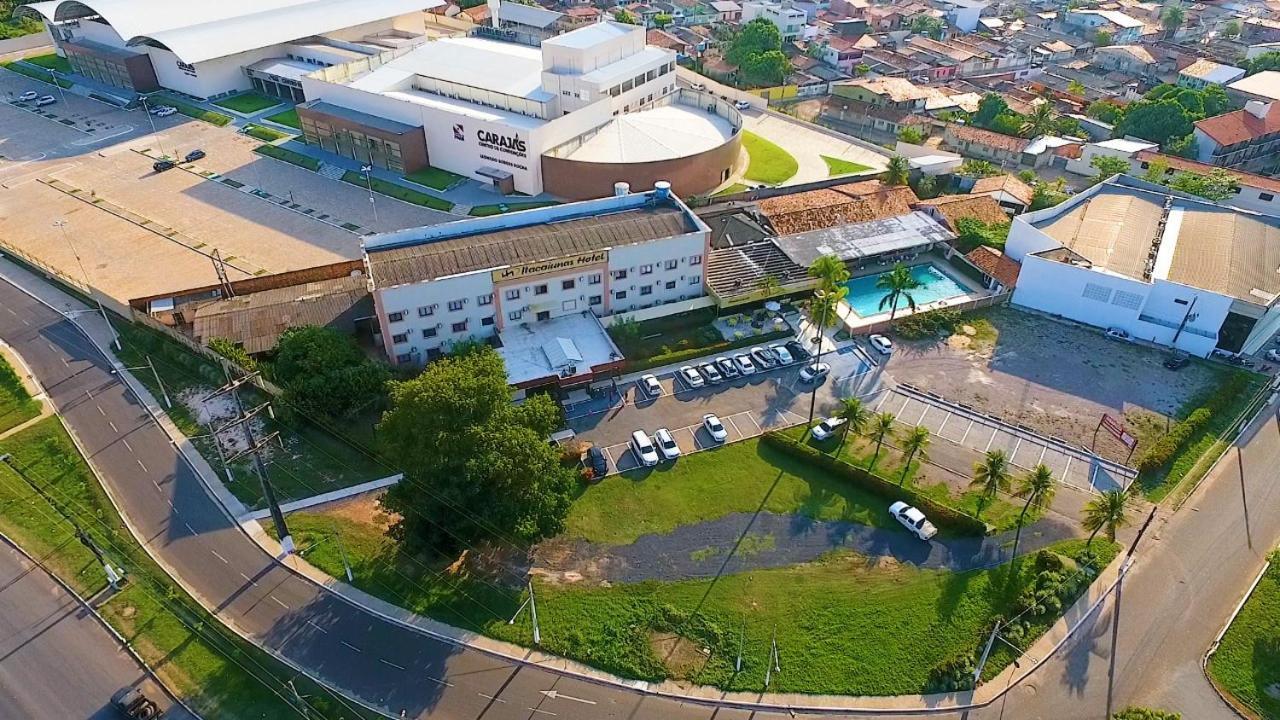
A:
1175	270
537	282
212	48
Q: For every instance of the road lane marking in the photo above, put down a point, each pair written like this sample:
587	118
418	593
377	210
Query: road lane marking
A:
353	647
249	580
189	528
313	624
127	445
438	681
277	601
388	662
114	429
490	697
544	712
158	488
89	394
557	695
144	467
100	410
215	554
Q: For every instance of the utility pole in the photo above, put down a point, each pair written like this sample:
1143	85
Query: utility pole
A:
343	552
368	178
254	447
160	383
62	225
977	672
773	666
1146	523
742	639
150	118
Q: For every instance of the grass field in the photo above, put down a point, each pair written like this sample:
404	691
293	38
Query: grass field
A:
16	404
288	117
732	190
769	163
264	133
212	669
837	167
740	477
288	156
247	103
398	192
434	178
51	62
487	210
34	73
1247	663
186	108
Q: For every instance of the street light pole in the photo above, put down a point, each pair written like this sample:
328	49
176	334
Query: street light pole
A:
150	118
821	297
58	84
62	225
368	178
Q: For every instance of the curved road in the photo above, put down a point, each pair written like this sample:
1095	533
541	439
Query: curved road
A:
1191	573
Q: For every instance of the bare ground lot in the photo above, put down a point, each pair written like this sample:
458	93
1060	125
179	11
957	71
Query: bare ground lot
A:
1054	377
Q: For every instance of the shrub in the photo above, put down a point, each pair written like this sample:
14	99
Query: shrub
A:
928	324
323	371
233	352
1163	450
263	133
1141	713
942	515
953	675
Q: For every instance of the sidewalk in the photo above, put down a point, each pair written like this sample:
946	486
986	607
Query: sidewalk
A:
1040	651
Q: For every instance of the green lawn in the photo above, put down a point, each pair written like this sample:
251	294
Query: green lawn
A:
288	117
206	664
289	156
740	477
837	167
16	404
247	103
34	73
264	133
51	62
1247	663
769	163
186	108
434	178
487	210
733	189
312	460
398	192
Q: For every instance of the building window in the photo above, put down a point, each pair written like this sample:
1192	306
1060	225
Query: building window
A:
455	305
428	332
404	358
513	294
460	326
595	300
399	338
487	321
646	269
619	274
484	299
1266	197
395	316
695	259
670	285
620	295
426	311
646	289
594	279
695	280
566	285
539	289
671	264
515	315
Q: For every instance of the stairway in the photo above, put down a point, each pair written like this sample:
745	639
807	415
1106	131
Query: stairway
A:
333	172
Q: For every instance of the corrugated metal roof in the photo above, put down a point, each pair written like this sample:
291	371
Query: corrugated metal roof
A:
1113	230
256	321
1229	253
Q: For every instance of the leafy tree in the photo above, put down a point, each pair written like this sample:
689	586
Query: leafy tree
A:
1265	61
856	416
972	232
861	69
912	134
1141	713
897	172
662	20
1107	512
978	169
897	284
1215	101
1158	121
822	307
1037	488
324	371
928	25
926	187
756	37
232	351
1232	29
1075	87
1007	124
989	107
1172	17
474	464
830	271
1102	38
1106	165
766	68
1038	122
990	476
1217	185
1157	172
915	443
1067	125
881	428
1184	146
1106	111
625	16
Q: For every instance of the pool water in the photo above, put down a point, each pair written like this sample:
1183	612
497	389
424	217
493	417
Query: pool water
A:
864	297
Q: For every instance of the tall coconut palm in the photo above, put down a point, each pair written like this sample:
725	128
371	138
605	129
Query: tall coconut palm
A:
856	416
897	284
990	476
881	428
1039	121
1108	512
915	443
1038	488
830	271
897	172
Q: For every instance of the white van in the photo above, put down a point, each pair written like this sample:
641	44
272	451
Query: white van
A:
644	449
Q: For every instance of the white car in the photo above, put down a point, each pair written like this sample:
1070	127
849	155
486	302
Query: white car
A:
1116	333
699	86
1273	355
742	105
881	343
691	377
46	100
666	444
814	372
782	353
643	448
165	111
913	520
650	386
827	428
745	366
29	95
714	427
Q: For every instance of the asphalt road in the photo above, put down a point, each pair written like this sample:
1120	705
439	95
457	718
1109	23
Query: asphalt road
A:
57	662
1192	571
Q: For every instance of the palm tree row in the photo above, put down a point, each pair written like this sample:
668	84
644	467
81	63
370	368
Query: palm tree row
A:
859	420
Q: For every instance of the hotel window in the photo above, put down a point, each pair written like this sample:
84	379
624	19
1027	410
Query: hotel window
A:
513	294
646	269
615	91
487	321
399	338
620	295
515	315
484	299
455	305
639	80
646	289
539	289
428	332
595	300
1266	197
695	259
628	85
395	316
670	285
595	279
671	264
651	75
426	311
460	326
404	358
695	280
566	285
619	274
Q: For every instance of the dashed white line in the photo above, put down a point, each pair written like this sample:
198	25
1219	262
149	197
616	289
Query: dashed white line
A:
158	488
353	647
88	394
215	554
127	445
114	429
189	528
490	697
144	467
438	681
388	662
544	712
100	412
249	580
277	601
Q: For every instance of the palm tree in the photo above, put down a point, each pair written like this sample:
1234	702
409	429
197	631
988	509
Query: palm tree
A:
1172	17
914	443
897	171
855	414
1039	121
990	475
881	427
1109	511
830	271
822	307
1038	488
897	284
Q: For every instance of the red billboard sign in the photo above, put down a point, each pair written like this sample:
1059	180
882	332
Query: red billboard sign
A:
1118	432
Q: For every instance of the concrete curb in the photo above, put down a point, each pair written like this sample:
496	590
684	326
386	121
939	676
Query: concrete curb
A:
1236	706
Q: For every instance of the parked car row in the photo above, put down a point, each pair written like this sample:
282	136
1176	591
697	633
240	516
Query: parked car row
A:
40	100
662	446
729	367
167	164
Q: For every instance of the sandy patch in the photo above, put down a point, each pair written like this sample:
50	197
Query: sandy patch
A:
682	657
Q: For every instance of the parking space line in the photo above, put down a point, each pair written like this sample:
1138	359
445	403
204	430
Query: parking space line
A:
943	426
751	417
993	439
1066	469
1016	448
729	419
966	431
926	412
906	400
1043	449
882	399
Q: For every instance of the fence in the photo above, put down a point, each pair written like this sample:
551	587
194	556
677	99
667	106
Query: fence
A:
972	304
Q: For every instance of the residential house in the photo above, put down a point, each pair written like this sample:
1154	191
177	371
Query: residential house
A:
1008	191
727	11
841	53
1129	59
1117	148
1264	86
579	15
530	22
1258	193
950	209
849	8
1123	28
1247	139
1203	73
789	20
963	14
664	39
1000	270
886	92
1261	30
884	18
1003	150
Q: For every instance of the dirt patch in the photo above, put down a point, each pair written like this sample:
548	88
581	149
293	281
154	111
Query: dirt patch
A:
682	657
570	562
365	509
218	412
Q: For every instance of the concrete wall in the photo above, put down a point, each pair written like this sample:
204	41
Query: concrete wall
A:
691	175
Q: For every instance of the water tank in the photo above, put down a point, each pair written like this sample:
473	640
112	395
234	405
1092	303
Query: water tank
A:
620	189
662	189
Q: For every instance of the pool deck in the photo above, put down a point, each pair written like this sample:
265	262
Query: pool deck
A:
854	322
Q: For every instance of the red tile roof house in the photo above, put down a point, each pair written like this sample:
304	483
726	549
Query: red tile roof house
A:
1248	139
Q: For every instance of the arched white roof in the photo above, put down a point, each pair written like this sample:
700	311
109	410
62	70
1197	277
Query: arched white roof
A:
198	31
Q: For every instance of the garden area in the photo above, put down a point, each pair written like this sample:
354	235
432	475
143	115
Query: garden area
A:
16	404
434	178
768	163
396	191
675	338
288	118
35	73
247	103
1246	664
289	156
186	108
837	167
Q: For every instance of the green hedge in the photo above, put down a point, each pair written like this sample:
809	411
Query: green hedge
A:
288	156
396	191
690	353
186	108
264	133
1163	450
942	515
35	73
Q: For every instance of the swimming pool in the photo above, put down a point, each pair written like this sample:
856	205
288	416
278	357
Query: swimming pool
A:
935	284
